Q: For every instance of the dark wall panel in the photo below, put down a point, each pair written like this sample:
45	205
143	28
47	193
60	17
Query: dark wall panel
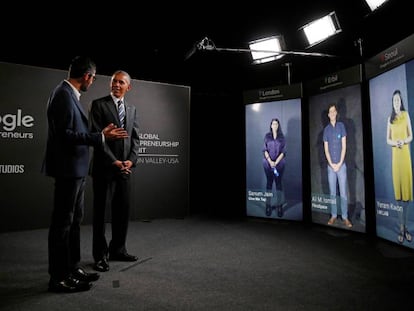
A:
160	181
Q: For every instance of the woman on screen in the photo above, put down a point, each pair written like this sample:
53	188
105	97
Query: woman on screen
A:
399	136
274	165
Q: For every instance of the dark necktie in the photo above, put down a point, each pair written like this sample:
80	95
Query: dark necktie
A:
121	112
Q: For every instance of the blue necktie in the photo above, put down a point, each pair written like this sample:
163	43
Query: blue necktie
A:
121	112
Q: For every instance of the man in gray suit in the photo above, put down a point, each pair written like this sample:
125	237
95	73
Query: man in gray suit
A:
111	172
67	161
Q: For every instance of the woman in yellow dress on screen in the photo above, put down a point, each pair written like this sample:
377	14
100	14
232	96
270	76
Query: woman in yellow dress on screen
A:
399	137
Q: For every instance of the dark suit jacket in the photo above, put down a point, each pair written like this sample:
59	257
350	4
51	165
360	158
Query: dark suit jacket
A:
103	112
68	139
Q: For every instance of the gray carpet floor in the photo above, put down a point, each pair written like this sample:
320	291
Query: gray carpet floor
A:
199	263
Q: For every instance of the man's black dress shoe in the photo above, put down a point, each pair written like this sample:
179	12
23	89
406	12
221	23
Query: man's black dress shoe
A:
101	265
68	285
84	276
123	257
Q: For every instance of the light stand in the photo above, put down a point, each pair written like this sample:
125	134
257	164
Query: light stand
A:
288	71
208	45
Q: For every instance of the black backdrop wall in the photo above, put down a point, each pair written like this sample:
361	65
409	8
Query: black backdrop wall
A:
160	181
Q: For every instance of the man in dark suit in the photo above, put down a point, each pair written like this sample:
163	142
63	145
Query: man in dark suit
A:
67	161
111	172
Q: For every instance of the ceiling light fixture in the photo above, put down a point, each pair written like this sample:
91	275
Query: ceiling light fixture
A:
321	29
267	49
375	4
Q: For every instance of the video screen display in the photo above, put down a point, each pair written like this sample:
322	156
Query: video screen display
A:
274	159
337	157
392	110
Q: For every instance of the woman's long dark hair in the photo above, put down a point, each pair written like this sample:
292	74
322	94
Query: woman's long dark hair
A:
279	128
393	114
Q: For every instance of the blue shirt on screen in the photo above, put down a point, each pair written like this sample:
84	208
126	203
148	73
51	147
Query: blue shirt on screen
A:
333	135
